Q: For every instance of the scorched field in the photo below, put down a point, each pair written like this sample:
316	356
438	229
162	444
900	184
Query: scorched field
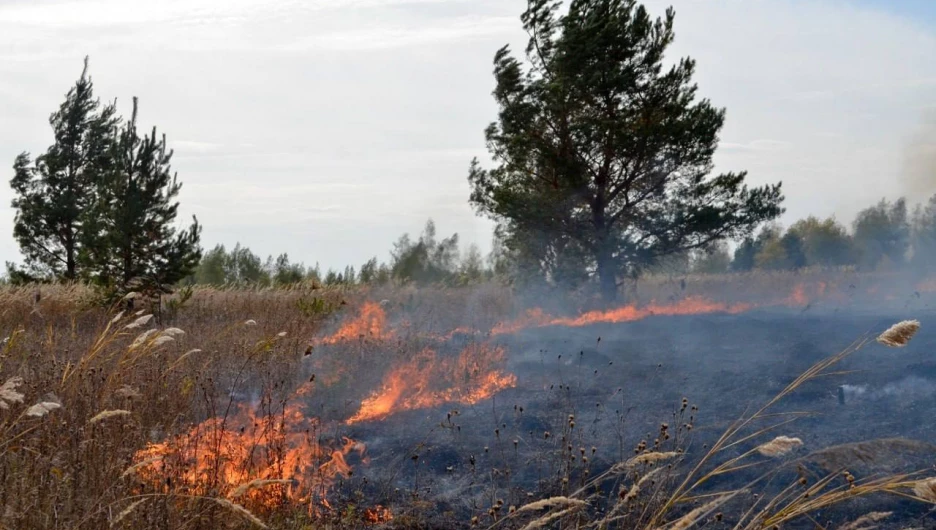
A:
746	402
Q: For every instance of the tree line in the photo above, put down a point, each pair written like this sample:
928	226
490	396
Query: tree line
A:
885	236
422	260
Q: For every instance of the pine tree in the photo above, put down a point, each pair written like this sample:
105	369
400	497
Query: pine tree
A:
54	192
133	239
602	153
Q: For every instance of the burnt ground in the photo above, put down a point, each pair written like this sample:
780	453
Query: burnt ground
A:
460	459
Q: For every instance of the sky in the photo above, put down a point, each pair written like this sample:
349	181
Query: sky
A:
327	128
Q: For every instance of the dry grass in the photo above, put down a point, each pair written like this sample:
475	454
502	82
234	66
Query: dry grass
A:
85	388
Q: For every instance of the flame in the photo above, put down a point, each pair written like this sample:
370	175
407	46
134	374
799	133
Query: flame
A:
221	454
537	318
378	514
428	380
797	297
371	323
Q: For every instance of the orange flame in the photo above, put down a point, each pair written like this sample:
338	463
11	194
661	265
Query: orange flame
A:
378	514
428	381
220	455
797	297
536	318
371	323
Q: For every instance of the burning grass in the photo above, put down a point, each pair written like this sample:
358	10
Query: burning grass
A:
246	408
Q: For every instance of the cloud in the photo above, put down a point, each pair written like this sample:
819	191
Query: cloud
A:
192	147
389	37
326	128
756	145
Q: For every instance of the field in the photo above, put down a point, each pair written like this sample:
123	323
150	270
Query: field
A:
473	407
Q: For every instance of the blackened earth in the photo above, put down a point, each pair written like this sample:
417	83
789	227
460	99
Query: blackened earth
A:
618	382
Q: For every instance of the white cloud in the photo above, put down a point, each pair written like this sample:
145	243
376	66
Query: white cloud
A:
326	128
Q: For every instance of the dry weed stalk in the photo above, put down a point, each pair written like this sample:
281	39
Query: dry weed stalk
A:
140	465
254	484
126	511
240	510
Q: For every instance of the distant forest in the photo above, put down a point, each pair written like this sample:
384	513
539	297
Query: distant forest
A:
887	236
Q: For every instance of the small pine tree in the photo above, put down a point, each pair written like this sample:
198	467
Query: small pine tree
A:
134	239
54	192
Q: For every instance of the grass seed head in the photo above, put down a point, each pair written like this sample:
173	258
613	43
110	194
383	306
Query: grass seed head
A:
8	393
925	489
106	414
42	408
779	446
899	334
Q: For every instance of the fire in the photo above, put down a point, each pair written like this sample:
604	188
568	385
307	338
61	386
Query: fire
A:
371	323
797	297
428	380
378	514
536	318
220	455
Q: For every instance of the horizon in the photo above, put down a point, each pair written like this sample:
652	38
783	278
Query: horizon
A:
303	129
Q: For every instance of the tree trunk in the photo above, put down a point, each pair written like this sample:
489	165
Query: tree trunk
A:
607	277
70	265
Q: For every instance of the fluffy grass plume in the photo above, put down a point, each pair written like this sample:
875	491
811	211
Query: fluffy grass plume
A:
42	408
867	521
925	489
8	393
547	519
693	517
779	446
106	414
142	321
652	458
551	502
899	334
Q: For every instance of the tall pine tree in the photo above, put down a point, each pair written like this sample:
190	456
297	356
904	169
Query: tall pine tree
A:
133	240
602	152
54	192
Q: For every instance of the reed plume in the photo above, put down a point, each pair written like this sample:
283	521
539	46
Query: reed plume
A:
779	446
925	489
898	335
8	393
106	414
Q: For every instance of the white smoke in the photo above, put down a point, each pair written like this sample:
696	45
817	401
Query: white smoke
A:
909	388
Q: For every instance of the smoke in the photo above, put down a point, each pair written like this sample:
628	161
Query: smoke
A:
907	389
919	172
